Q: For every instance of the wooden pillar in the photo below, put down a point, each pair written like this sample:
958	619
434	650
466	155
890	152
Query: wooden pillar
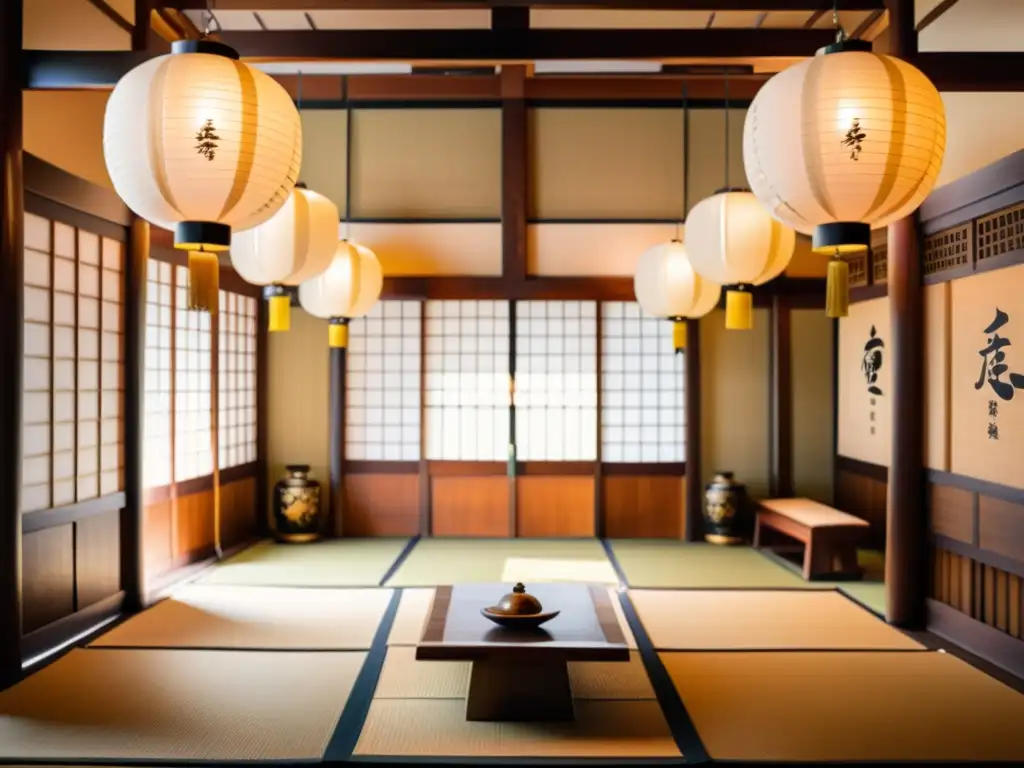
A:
262	422
513	228
336	441
12	238
136	266
781	401
906	513
694	474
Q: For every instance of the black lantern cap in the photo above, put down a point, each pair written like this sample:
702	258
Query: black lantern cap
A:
847	45
211	47
202	236
725	190
844	236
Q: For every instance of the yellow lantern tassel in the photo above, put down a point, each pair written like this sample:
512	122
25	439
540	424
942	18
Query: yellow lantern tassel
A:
338	334
739	310
203	281
279	312
837	288
678	334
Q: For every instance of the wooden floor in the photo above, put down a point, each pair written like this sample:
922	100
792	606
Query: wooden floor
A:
306	653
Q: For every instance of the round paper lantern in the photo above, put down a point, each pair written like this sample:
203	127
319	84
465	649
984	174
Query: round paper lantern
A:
666	286
294	245
348	289
843	143
199	143
731	240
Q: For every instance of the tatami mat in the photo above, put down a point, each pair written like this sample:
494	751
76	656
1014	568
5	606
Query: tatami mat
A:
438	728
214	616
178	705
415	605
847	706
403	677
649	563
452	561
762	619
333	563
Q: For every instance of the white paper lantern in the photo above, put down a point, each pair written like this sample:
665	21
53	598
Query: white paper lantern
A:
667	286
844	142
198	142
297	243
348	289
731	240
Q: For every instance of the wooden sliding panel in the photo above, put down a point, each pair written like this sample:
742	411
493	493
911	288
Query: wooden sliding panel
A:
193	457
237	380
158	406
383	420
556	415
643	421
238	510
467	413
600	163
426	163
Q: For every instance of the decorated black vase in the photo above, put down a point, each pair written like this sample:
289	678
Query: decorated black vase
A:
724	501
297	511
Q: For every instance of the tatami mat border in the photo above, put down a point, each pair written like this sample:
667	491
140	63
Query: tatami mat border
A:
402	557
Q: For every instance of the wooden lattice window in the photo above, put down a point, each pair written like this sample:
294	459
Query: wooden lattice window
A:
556	380
73	348
383	384
858	269
157	403
880	264
467	380
643	384
1000	233
948	249
236	378
193	453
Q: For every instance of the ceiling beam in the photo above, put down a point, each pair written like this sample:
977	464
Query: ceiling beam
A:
626	5
973	71
933	15
522	45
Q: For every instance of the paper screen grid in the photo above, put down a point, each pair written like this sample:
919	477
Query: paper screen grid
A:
467	380
236	377
643	394
157	398
556	381
192	444
383	384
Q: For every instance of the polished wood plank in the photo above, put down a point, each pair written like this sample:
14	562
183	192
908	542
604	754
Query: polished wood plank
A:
469	506
97	558
382	505
49	577
644	507
553	507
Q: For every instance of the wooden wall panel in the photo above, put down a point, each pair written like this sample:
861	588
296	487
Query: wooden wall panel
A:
433	250
97	558
237	512
193	527
986	594
551	507
324	153
606	250
156	534
48	576
470	506
652	507
951	512
1001	527
381	505
864	497
813	433
937	379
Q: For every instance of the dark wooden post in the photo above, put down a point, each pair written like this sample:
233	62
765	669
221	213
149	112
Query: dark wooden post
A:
694	477
12	241
262	420
136	266
336	432
781	403
906	514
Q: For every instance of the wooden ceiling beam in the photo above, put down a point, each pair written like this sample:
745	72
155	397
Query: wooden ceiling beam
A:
525	45
973	71
626	5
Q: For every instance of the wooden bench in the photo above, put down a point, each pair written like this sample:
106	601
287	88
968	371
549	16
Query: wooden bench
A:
830	537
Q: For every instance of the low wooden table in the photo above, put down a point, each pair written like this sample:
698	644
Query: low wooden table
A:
830	537
522	675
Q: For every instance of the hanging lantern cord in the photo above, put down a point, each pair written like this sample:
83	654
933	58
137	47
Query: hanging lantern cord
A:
208	20
726	128
840	32
348	154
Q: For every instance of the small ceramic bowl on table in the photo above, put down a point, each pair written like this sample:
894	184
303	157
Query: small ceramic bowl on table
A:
518	610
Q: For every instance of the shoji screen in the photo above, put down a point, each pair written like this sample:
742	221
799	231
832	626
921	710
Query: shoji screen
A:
192	428
237	380
72	410
467	383
157	399
383	380
642	388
